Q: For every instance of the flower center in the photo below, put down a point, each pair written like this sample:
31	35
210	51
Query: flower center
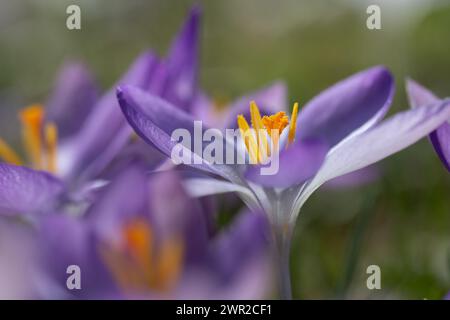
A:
40	141
263	136
137	264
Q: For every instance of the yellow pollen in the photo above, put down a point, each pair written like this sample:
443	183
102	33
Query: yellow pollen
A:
273	125
8	154
137	264
169	263
51	138
32	118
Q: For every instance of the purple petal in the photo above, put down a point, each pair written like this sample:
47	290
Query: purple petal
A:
154	120
248	236
297	163
174	213
66	241
124	198
176	77
440	138
72	99
357	102
239	261
24	191
270	100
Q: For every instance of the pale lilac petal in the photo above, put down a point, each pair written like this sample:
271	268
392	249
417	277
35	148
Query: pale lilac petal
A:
418	95
356	103
385	139
24	191
201	187
440	138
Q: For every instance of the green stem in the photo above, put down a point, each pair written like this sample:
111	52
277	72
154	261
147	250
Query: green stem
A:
356	241
283	235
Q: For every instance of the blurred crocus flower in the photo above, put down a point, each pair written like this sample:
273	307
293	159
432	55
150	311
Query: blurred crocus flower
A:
72	141
105	131
338	132
145	238
440	138
79	133
224	116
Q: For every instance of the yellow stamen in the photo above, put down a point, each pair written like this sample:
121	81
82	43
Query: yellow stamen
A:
274	125
139	242
8	154
257	124
168	266
137	264
293	124
32	118
51	138
249	139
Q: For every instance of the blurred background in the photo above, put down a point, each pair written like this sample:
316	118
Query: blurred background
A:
400	221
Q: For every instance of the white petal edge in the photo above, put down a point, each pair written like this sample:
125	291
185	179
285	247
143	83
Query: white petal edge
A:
201	187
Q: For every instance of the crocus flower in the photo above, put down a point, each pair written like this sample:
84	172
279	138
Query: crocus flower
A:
440	138
145	238
105	132
79	133
337	132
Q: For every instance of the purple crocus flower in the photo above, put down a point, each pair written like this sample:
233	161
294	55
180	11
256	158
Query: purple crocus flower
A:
337	132
145	238
105	132
440	138
79	134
